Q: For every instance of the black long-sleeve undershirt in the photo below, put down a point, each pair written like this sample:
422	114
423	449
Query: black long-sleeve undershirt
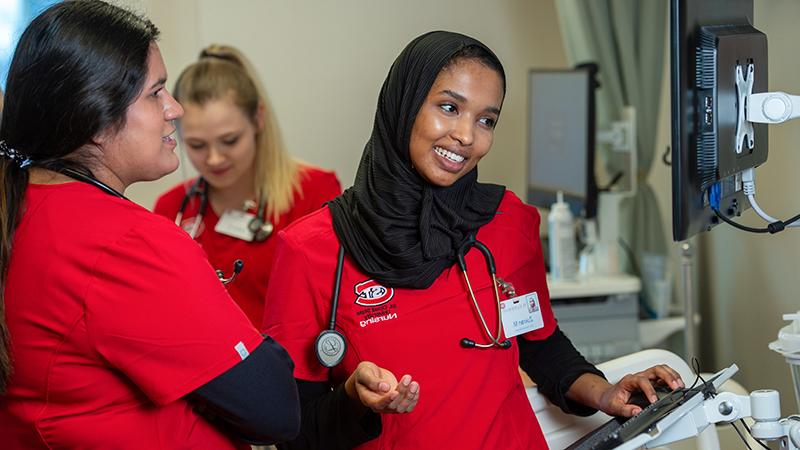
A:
330	421
554	364
255	400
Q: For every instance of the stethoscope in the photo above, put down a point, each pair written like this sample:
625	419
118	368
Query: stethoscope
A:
331	344
259	225
238	265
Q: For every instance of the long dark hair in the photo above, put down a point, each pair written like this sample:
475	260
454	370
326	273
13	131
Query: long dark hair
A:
76	69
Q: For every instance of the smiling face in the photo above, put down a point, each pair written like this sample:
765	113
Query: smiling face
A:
454	127
143	149
221	142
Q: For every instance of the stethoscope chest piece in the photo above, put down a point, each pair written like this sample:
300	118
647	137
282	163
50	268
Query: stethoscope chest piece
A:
260	228
331	347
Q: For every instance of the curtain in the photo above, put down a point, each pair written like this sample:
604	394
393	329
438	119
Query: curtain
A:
626	39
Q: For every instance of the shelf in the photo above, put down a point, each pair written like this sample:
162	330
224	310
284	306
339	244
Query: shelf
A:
594	286
654	331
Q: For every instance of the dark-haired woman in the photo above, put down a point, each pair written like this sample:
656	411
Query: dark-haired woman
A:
116	333
405	307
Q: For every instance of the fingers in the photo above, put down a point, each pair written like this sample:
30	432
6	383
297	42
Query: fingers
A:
379	390
665	374
408	394
630	410
370	376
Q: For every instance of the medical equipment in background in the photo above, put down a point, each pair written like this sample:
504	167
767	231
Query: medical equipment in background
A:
599	315
331	345
685	413
259	225
720	110
788	345
561	237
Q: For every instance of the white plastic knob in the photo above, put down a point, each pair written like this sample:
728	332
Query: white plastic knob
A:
776	108
765	405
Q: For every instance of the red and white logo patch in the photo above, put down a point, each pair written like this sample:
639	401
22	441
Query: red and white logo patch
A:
370	293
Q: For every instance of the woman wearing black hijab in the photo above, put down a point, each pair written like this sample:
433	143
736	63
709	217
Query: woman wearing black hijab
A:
405	307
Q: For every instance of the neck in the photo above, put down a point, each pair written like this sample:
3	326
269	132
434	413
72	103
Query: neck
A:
39	175
232	197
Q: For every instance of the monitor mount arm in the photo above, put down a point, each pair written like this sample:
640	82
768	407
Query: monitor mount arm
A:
763	406
764	107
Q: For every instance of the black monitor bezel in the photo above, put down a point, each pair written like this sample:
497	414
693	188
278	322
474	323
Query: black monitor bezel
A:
690	211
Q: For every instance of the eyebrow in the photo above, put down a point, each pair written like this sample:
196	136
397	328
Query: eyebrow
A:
160	82
462	99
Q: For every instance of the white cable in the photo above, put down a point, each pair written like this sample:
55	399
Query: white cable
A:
749	188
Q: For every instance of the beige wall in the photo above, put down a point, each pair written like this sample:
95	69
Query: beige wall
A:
323	63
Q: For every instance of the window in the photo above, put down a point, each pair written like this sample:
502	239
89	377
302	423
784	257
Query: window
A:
14	17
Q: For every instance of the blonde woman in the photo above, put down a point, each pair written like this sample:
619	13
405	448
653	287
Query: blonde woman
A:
249	186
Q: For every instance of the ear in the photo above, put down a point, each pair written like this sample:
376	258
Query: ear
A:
260	116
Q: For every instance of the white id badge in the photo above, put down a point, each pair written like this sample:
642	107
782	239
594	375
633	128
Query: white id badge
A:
521	314
234	223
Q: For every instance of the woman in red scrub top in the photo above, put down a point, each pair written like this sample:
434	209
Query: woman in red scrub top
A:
426	365
232	138
115	332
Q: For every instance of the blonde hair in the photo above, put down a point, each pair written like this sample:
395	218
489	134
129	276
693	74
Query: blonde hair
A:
221	72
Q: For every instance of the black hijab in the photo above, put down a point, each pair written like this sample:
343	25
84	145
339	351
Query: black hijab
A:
401	230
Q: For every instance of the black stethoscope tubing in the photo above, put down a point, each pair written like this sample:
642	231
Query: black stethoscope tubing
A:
331	344
259	225
88	179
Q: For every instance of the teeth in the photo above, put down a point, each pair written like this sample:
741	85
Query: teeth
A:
448	154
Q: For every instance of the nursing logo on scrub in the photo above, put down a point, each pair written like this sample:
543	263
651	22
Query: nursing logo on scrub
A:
370	293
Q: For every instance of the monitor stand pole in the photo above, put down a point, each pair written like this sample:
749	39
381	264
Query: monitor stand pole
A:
689	334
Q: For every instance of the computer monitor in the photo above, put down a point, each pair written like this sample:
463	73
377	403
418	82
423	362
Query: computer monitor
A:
711	143
561	137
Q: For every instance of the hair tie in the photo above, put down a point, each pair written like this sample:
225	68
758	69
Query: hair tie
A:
210	54
12	154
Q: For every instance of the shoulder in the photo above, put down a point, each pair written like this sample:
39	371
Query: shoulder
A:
169	202
312	176
310	230
512	211
100	217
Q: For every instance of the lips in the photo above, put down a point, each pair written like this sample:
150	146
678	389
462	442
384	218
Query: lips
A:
448	160
219	172
169	140
449	155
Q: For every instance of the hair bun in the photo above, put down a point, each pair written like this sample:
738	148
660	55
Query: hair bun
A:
222	52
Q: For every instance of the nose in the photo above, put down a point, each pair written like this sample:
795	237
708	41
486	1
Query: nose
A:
214	157
172	109
463	130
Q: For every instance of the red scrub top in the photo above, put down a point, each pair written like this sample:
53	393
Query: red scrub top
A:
114	316
317	186
469	398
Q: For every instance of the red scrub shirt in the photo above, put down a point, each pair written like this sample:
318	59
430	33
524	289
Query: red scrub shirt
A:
317	186
469	398
114	316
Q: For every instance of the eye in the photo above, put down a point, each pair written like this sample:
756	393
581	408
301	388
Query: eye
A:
230	141
157	92
448	107
195	145
488	122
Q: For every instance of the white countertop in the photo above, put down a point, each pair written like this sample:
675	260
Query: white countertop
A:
594	286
